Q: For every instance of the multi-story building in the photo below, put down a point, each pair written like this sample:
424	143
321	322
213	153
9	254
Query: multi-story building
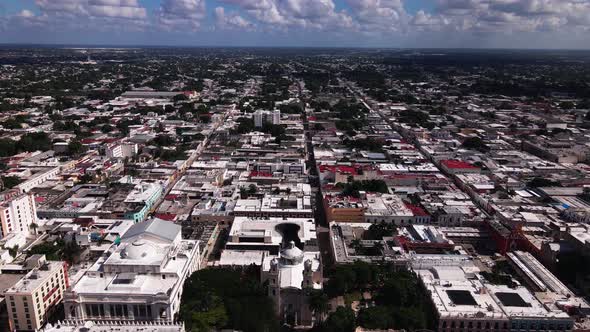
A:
143	196
285	206
17	213
464	301
32	299
87	326
118	150
139	279
261	117
266	234
344	209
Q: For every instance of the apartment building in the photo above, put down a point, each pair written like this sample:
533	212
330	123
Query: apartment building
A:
261	117
30	301
17	213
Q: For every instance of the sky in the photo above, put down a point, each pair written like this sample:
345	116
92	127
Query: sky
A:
540	24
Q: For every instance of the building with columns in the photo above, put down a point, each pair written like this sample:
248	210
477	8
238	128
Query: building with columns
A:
139	279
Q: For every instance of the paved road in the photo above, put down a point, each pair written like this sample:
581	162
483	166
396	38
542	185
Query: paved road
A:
322	230
196	154
414	142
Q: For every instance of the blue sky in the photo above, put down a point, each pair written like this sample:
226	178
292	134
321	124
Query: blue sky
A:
334	23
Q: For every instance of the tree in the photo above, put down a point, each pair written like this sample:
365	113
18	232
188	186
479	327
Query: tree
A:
342	320
356	245
318	303
76	148
107	128
376	318
226	298
34	227
567	105
13	251
318	127
180	97
542	182
11	181
475	143
380	230
243	192
252	189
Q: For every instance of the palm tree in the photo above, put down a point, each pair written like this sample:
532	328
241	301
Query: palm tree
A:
378	247
34	227
356	245
318	304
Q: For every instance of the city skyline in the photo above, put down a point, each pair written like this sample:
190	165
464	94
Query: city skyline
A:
537	24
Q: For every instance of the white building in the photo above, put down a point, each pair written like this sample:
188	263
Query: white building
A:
465	301
140	279
391	209
123	326
261	117
30	300
123	150
17	213
287	252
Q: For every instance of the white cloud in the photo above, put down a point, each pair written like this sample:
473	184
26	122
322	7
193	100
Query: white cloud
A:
381	19
181	14
231	20
26	13
129	9
125	9
379	15
503	16
295	14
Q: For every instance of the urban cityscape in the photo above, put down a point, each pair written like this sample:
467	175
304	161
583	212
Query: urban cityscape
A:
294	189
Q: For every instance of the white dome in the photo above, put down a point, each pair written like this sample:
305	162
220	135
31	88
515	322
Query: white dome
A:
140	250
292	253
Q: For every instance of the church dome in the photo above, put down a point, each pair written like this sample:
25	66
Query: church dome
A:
291	254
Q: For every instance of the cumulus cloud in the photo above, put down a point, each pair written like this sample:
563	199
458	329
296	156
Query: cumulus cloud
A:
225	20
126	9
285	14
380	15
129	9
175	14
379	18
515	15
91	15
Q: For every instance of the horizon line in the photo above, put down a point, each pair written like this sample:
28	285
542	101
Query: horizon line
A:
140	46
